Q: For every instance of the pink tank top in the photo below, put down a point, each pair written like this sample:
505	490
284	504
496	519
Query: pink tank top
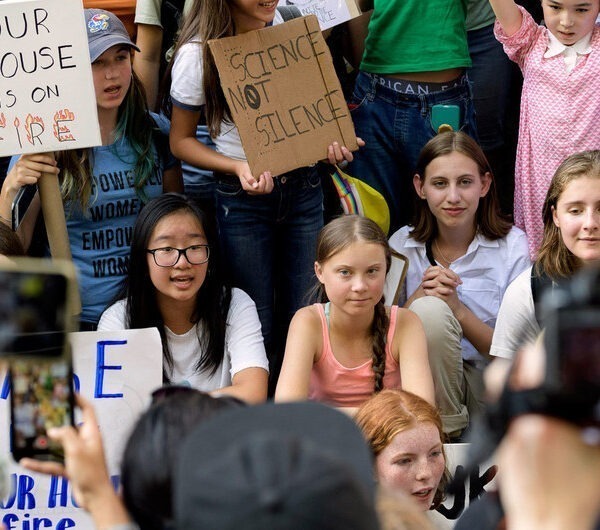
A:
337	385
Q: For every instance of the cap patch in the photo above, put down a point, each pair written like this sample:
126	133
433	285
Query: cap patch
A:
99	22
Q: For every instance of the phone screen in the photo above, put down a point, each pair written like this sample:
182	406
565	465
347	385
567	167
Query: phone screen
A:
33	313
41	398
445	115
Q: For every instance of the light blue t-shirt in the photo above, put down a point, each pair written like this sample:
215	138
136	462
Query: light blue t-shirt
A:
100	237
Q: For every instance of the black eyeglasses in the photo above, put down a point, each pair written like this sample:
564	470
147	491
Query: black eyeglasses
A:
169	256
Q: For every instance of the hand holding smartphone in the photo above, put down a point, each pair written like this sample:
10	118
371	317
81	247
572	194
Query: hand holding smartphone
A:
41	398
35	319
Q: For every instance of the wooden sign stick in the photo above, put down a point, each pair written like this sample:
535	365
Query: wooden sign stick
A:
56	225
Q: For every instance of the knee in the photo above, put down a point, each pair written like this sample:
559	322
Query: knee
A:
437	318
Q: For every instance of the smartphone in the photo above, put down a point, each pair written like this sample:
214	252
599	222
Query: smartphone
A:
21	203
41	398
445	115
36	307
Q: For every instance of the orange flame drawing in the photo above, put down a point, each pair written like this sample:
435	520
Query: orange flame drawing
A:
62	131
2	120
29	122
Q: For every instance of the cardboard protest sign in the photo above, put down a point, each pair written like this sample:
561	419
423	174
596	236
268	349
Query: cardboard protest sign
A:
117	371
47	100
329	12
284	95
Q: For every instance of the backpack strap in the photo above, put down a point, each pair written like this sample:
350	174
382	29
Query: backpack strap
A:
289	12
539	283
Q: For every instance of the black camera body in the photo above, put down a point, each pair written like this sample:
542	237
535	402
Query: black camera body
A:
571	318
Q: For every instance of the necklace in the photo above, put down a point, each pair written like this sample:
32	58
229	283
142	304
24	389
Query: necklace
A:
441	253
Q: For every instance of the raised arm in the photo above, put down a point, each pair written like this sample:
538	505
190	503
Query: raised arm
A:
146	63
411	349
508	15
301	350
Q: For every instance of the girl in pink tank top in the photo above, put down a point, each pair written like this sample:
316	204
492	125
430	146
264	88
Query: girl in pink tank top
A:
350	345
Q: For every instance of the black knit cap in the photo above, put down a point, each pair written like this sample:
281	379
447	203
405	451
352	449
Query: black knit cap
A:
290	466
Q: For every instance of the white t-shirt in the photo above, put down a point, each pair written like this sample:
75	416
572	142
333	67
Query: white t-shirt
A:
244	346
148	11
486	270
187	93
516	322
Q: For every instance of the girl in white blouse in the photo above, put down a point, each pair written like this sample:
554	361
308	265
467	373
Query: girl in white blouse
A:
462	255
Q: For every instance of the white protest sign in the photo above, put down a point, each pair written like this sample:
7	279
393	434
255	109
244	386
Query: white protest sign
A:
117	370
329	12
47	99
481	479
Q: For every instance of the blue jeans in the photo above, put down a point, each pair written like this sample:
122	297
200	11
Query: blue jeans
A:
268	244
491	78
199	184
395	127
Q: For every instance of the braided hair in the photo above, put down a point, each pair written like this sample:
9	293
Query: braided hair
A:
335	237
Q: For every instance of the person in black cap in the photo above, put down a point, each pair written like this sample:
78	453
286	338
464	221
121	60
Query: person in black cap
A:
292	466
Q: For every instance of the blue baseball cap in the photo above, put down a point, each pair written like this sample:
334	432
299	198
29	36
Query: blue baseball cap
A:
105	30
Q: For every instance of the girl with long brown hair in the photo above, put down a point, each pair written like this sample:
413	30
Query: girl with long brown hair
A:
350	345
462	255
571	240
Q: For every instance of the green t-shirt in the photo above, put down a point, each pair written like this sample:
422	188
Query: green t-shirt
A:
416	36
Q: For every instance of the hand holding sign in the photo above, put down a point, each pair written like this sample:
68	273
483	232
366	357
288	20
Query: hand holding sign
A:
260	185
337	153
284	96
45	55
41	168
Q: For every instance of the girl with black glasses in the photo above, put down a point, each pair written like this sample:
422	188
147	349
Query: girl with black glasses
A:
211	333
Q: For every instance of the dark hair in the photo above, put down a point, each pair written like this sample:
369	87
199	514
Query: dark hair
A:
334	237
390	412
10	244
152	450
554	258
489	220
213	297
